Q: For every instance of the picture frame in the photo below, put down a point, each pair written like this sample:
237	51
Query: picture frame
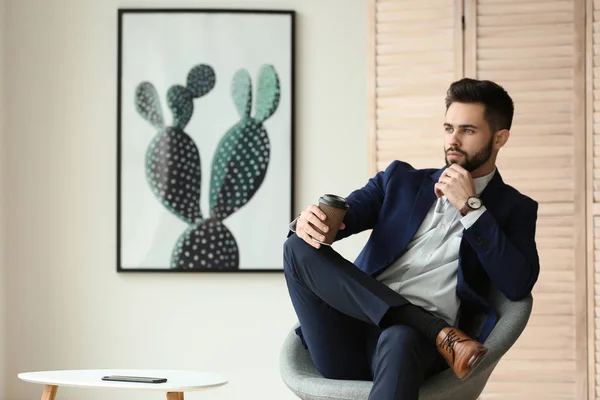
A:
205	139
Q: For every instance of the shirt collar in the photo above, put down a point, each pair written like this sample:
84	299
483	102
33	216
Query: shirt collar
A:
481	182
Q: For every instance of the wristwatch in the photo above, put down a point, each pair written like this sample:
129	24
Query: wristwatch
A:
473	203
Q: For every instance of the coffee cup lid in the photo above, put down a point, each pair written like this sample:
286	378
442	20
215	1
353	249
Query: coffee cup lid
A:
334	201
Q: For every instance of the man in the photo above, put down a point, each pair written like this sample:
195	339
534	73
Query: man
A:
440	239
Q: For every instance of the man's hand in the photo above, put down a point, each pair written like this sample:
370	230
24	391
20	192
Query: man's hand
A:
456	183
310	218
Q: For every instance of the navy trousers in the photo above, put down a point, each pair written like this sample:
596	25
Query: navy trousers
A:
340	309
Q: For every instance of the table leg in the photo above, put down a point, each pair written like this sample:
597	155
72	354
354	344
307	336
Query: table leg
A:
49	392
175	396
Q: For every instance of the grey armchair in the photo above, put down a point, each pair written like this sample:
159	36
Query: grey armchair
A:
300	375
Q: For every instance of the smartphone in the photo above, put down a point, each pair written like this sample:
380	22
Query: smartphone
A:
137	379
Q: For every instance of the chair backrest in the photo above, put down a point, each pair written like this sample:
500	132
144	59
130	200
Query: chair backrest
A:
513	318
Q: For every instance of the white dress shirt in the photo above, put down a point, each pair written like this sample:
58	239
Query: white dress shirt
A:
426	273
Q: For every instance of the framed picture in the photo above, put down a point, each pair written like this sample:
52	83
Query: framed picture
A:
205	134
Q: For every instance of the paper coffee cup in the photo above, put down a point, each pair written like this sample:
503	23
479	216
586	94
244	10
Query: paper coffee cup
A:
335	208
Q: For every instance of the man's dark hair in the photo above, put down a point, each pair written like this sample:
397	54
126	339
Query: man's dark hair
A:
499	108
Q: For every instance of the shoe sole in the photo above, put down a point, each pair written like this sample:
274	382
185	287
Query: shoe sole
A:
475	364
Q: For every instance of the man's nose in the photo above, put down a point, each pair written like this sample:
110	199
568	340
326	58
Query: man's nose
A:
454	140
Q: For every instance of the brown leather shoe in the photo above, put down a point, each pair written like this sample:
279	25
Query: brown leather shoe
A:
462	353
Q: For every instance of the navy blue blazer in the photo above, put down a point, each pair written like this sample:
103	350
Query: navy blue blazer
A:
499	249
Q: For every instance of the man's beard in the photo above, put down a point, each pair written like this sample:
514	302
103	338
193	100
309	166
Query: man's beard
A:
471	163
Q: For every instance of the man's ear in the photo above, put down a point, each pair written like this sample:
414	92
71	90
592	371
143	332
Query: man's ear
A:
500	138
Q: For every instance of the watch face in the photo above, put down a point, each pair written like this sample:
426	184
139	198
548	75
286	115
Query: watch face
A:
474	202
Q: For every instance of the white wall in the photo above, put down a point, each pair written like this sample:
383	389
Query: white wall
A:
68	307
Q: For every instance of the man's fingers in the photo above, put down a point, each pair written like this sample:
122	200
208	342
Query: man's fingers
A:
458	169
438	190
317	211
342	226
451	173
446	176
312	218
309	239
310	231
314	233
308	221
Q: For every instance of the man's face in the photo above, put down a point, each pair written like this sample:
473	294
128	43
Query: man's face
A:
468	140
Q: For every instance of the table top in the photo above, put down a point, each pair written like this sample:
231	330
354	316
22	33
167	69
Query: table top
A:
177	380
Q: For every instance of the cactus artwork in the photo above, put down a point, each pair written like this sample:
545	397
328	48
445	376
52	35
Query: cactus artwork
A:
239	164
205	138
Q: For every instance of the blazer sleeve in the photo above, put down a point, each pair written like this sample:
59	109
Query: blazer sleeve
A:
364	204
509	255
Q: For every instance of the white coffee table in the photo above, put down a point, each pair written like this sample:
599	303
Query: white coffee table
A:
177	382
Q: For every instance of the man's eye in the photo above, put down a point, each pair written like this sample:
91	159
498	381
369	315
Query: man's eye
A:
448	129
469	131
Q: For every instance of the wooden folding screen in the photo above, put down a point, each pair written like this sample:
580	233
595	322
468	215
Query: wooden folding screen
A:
536	50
